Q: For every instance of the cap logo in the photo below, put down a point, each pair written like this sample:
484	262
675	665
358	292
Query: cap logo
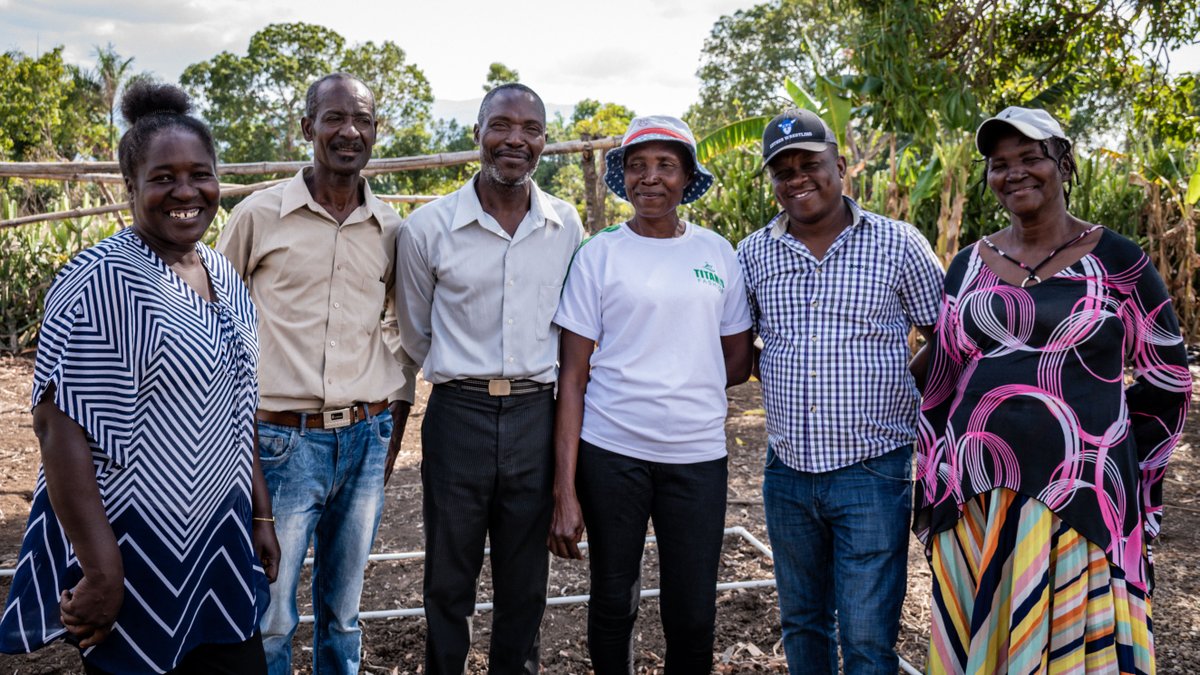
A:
786	125
789	137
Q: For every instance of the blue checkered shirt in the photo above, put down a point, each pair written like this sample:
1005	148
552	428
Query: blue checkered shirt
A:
834	369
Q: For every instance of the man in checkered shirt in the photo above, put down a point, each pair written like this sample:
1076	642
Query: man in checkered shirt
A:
834	291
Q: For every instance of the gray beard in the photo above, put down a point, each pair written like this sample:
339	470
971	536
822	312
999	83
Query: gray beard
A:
494	176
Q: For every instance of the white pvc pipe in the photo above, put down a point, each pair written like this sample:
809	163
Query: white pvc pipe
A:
560	600
738	530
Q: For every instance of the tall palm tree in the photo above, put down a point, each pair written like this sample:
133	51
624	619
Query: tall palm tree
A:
111	73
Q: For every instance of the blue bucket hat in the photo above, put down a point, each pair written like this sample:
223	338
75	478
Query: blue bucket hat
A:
656	128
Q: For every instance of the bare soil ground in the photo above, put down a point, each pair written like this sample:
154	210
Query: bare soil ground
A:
748	620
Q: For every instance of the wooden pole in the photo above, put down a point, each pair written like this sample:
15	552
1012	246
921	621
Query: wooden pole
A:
593	210
75	170
83	177
601	189
234	191
407	199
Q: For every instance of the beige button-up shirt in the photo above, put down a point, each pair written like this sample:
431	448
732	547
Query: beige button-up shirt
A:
327	328
475	302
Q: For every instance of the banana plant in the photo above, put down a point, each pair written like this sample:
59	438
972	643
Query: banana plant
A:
835	103
1193	188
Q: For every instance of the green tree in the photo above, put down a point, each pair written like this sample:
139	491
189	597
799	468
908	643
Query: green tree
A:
566	176
112	70
599	119
944	64
402	94
254	102
748	52
48	109
969	60
499	74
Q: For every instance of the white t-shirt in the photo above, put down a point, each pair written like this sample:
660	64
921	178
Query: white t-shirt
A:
657	309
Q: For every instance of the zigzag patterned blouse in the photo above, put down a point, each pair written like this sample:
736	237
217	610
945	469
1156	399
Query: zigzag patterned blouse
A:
1026	391
163	383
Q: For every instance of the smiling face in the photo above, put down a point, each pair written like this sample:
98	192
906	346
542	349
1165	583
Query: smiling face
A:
656	173
175	192
1024	177
511	138
343	129
807	184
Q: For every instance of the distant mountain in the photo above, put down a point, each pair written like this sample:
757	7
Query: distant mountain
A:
467	111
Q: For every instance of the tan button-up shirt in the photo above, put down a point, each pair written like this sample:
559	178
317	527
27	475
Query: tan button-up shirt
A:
475	302
327	328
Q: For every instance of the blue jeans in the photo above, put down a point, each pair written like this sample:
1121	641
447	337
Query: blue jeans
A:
840	541
326	487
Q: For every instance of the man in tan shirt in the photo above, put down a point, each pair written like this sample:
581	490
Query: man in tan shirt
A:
318	255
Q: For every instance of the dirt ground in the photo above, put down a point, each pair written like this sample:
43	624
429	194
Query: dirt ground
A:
747	619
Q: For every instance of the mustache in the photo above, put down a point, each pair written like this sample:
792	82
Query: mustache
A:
356	147
514	153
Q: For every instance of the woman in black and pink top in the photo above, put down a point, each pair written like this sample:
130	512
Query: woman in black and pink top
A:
1039	473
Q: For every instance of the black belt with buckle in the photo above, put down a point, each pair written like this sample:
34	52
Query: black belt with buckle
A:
500	387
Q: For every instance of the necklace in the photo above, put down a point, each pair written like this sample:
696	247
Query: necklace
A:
1033	270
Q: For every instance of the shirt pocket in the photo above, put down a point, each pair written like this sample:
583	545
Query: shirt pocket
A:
373	291
548	296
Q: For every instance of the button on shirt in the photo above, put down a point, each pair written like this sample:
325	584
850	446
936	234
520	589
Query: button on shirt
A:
327	328
476	302
835	381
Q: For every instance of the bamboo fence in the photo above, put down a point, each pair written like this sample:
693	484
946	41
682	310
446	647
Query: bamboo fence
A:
107	172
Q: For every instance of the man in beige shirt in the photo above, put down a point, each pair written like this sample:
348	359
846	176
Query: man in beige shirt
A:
480	273
317	254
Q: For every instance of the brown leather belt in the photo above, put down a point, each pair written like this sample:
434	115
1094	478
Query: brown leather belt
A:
327	419
499	387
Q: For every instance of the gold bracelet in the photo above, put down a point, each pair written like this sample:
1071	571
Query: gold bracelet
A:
263	520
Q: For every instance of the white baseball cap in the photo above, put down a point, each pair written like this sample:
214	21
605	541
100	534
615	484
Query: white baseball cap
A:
1032	123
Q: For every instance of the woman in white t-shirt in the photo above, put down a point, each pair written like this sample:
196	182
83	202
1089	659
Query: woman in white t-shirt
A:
655	326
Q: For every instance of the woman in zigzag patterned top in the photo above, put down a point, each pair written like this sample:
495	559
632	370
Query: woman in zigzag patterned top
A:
150	541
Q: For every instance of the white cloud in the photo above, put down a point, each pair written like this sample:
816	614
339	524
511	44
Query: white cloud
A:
640	54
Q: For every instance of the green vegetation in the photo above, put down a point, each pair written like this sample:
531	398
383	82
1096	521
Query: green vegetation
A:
499	74
903	83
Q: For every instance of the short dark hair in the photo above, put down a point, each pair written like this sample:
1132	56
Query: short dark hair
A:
148	108
486	104
310	97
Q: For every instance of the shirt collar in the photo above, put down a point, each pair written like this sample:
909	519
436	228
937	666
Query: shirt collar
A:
779	223
468	209
296	196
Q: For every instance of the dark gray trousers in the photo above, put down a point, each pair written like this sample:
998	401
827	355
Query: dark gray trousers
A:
487	471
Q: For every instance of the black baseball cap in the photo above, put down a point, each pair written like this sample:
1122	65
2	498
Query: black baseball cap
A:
795	130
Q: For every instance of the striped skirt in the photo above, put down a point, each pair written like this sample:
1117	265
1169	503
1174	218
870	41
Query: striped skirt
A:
1015	590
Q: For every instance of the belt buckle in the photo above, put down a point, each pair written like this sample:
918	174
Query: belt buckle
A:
499	387
336	419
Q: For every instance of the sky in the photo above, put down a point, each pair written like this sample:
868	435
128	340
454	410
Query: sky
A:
640	53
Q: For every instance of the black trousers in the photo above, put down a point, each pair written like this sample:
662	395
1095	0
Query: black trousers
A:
487	472
618	494
238	658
